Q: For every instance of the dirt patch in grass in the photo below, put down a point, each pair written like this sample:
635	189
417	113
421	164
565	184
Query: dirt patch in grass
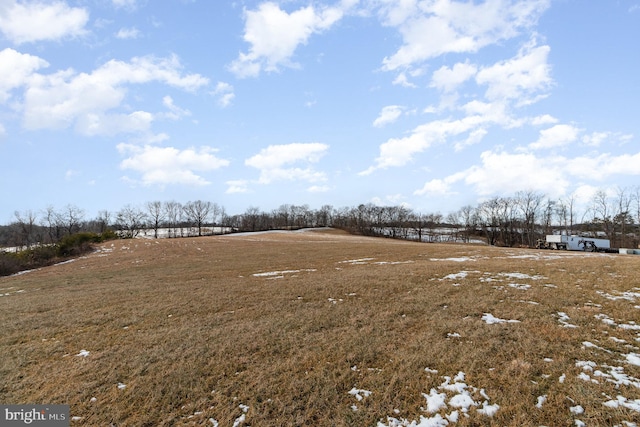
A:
323	328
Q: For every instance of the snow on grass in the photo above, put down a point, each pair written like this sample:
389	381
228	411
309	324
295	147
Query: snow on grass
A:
455	259
521	276
279	274
609	321
490	319
623	402
446	402
563	318
576	410
83	353
615	374
633	358
519	286
359	394
356	261
631	295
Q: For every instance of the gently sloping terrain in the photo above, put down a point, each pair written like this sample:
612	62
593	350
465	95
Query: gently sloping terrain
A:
322	328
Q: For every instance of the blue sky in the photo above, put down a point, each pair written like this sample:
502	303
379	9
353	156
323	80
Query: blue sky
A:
433	104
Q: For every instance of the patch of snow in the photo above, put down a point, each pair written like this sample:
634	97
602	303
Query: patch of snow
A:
489	410
359	394
577	410
435	400
622	401
563	318
491	320
633	358
356	261
83	353
519	286
541	401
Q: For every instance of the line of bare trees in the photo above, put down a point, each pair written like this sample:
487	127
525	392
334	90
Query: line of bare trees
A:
517	220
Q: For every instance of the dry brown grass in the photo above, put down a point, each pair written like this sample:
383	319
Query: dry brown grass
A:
193	334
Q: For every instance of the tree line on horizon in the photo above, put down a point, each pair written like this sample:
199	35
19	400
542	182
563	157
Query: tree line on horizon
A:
517	220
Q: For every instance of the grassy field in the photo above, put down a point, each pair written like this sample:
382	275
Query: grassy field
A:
320	328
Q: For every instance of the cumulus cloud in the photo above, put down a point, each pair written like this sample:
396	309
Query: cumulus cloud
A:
274	162
431	29
275	34
448	79
556	136
521	78
86	101
389	114
33	21
169	165
502	172
16	70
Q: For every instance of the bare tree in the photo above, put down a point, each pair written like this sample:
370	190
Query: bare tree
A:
173	211
197	213
51	220
602	213
71	218
156	215
104	220
622	214
25	228
530	202
130	221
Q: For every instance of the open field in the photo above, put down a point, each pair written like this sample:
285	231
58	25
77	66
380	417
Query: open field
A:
320	328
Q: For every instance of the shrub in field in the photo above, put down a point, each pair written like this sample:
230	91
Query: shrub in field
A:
40	256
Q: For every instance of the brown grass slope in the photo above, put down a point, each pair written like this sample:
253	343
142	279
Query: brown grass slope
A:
194	333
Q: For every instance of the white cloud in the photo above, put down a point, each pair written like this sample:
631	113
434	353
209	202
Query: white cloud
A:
507	173
32	21
175	112
544	119
274	35
596	138
435	187
448	79
501	172
389	114
237	186
224	93
402	80
397	152
92	124
520	78
271	162
430	29
128	33
16	69
169	165
67	98
556	136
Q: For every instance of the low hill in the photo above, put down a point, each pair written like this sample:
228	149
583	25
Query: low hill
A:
321	328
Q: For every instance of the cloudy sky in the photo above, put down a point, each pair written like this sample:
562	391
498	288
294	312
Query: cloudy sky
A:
434	104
